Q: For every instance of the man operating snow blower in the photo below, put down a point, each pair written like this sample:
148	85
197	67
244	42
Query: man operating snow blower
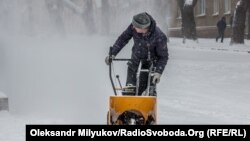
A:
149	52
137	105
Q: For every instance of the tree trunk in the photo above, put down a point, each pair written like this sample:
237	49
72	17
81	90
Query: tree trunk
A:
89	17
55	9
248	24
30	22
106	12
239	22
161	14
86	13
188	20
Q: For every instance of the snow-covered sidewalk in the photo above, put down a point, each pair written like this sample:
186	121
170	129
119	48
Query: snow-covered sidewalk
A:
52	83
3	101
12	126
205	83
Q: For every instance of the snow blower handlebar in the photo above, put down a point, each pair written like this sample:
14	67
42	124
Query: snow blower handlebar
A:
111	59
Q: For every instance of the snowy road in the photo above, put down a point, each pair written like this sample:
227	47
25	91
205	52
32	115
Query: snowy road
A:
206	83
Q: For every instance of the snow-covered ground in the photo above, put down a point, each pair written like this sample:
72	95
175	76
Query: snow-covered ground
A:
205	83
65	81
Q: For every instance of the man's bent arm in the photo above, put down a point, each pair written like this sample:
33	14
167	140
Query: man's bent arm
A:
122	40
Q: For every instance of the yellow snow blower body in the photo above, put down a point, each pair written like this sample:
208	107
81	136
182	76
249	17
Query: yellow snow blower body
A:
132	107
132	110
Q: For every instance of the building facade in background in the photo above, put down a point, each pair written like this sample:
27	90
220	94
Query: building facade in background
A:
207	14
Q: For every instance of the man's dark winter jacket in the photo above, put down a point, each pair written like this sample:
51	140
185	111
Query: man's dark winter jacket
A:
155	41
221	25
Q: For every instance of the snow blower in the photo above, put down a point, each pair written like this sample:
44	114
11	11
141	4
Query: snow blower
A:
129	108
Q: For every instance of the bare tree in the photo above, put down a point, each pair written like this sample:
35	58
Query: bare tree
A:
248	33
55	9
161	12
239	22
86	12
88	16
106	12
188	21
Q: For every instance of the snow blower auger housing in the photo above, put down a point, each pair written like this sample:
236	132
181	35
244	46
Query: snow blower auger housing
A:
129	108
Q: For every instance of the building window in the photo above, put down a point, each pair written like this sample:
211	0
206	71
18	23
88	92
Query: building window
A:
201	8
216	7
227	4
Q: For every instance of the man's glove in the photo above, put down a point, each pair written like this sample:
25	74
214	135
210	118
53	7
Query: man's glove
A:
108	60
156	78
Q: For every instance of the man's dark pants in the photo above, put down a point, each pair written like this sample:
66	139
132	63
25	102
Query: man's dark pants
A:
131	78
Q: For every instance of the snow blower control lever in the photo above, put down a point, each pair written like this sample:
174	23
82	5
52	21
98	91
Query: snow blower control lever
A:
110	68
133	90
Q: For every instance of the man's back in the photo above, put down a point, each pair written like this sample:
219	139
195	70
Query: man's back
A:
222	25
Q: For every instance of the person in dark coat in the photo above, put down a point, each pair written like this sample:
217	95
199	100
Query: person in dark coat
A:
147	37
221	26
